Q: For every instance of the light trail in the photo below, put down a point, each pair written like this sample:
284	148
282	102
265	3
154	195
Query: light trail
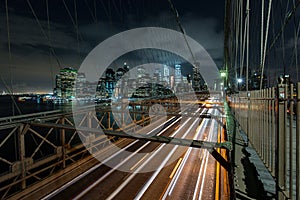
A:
206	162
124	161
217	189
199	130
134	166
149	182
175	168
55	192
150	158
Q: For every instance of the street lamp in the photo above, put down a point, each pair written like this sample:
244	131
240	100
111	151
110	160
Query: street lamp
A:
239	81
223	73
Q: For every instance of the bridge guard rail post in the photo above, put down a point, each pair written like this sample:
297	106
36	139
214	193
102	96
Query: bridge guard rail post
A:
291	141
280	142
298	145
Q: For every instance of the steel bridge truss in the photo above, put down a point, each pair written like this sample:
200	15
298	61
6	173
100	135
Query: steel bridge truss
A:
36	146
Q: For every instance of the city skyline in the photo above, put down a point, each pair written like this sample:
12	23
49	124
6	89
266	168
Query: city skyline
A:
32	57
70	83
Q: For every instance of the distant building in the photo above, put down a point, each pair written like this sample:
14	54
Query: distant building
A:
65	83
157	75
101	92
141	72
166	74
196	80
110	81
178	75
81	86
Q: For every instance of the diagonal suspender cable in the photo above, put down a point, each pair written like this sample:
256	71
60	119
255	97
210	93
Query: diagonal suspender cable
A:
241	55
237	32
296	49
77	33
182	30
72	20
10	90
265	44
49	35
244	45
43	32
287	19
262	32
247	44
90	10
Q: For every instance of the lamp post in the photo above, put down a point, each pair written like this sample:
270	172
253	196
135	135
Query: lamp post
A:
239	81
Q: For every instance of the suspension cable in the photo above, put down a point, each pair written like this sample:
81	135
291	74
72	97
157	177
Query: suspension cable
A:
265	44
182	30
287	19
90	10
10	90
262	32
49	35
43	32
76	22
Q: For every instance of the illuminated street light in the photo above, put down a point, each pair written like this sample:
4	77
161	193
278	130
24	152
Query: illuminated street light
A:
239	80
223	73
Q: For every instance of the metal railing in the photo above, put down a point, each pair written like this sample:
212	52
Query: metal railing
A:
31	150
271	120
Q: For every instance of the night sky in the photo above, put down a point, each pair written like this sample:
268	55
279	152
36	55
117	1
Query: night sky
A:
33	63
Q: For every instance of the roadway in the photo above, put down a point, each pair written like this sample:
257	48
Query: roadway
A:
153	170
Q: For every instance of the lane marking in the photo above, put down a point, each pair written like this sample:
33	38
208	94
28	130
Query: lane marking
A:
68	184
134	166
148	160
205	152
112	170
217	191
175	168
206	163
171	186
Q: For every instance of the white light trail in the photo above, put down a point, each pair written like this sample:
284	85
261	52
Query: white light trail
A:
55	192
148	160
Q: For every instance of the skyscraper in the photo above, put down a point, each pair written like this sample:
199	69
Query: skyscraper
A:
177	74
80	84
65	83
166	74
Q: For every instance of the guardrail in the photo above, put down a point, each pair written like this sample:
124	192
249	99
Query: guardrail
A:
271	120
30	151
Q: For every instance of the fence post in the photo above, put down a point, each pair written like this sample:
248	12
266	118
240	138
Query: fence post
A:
291	140
261	135
268	122
297	146
273	132
248	114
280	142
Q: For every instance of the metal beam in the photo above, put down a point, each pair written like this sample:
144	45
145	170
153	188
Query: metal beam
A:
211	146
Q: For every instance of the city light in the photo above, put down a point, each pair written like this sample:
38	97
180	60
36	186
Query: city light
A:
223	74
239	80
